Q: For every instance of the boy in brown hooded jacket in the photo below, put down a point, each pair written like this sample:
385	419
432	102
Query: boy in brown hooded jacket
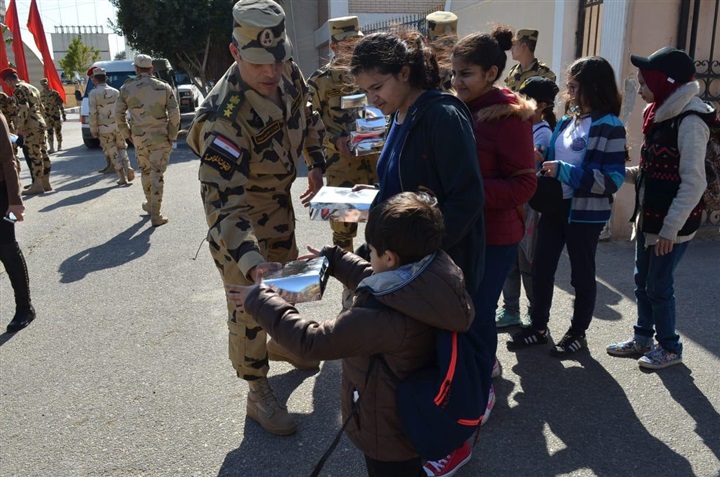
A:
409	288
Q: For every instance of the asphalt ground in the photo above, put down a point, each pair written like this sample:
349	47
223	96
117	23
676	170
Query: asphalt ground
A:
125	370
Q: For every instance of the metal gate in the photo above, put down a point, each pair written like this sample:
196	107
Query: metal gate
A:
589	30
690	38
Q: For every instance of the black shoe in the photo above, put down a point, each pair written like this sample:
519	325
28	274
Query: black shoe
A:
569	344
527	337
21	319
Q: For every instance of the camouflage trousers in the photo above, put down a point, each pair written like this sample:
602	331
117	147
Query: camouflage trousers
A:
247	347
114	146
347	172
152	161
36	149
54	127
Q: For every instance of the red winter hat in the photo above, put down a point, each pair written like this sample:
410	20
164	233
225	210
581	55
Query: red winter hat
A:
7	72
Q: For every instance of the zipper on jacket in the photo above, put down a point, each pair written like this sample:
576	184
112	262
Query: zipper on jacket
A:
447	382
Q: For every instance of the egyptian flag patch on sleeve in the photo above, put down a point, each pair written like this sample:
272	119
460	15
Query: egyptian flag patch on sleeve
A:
223	156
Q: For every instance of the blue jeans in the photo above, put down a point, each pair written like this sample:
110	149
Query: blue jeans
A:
498	260
656	295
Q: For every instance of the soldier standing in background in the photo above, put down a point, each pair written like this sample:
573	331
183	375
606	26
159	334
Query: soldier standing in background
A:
155	119
442	36
343	169
523	51
250	133
9	108
53	110
102	125
31	126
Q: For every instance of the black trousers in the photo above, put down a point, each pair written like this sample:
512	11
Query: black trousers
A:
581	239
7	229
407	468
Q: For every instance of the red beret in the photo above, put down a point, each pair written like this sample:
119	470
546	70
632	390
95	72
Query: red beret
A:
90	71
7	71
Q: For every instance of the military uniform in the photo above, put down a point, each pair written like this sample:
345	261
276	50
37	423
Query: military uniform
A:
53	112
9	108
250	150
517	76
442	32
327	86
32	125
103	125
155	119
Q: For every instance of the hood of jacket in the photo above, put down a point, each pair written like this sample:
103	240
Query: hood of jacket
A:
683	99
431	97
501	103
431	291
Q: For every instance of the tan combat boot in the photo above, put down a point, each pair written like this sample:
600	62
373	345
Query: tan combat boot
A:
59	145
108	166
51	150
35	188
264	408
46	183
278	353
121	174
129	172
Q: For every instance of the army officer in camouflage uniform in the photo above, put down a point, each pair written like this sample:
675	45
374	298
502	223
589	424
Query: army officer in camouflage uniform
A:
155	119
327	86
250	134
523	51
31	126
53	110
101	112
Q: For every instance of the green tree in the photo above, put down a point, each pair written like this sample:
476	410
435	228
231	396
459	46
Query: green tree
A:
194	36
79	58
120	56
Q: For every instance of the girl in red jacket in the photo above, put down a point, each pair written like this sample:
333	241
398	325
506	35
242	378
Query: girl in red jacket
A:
503	136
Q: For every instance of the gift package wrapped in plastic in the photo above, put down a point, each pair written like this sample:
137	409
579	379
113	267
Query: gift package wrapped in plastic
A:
300	281
368	136
341	204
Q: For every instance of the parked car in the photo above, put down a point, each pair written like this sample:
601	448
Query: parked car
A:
189	95
118	72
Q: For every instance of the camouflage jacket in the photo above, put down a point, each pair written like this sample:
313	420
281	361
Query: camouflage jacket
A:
516	78
327	85
9	108
249	150
52	103
102	109
154	112
30	108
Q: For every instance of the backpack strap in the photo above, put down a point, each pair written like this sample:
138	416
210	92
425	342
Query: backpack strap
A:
353	411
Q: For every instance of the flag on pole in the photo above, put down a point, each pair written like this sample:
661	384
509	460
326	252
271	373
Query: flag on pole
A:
35	26
11	17
4	63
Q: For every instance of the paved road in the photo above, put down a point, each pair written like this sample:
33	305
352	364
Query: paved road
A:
125	370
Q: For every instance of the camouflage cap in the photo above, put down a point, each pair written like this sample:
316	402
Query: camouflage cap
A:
260	32
441	23
527	35
343	28
143	61
44	81
98	71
